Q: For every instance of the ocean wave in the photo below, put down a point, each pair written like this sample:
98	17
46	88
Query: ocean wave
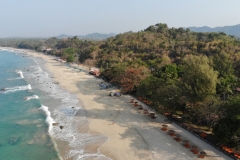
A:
17	88
31	97
4	49
49	119
18	72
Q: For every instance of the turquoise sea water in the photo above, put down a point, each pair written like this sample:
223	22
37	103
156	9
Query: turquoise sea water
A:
23	130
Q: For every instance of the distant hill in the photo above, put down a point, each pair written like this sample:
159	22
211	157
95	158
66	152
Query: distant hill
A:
93	36
229	30
63	36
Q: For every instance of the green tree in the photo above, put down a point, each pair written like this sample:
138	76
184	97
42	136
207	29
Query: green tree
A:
199	80
208	111
224	66
69	54
169	96
169	72
224	87
70	58
69	51
148	87
227	130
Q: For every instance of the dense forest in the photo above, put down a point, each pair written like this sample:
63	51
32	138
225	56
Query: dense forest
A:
190	74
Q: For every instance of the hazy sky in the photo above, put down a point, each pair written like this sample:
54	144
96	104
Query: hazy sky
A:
45	18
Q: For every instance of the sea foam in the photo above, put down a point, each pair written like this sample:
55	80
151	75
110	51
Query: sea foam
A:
18	72
17	88
49	119
31	97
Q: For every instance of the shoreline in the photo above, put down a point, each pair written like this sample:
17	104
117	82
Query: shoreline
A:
62	147
131	134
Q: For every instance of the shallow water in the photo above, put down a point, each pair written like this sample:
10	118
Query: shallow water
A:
23	133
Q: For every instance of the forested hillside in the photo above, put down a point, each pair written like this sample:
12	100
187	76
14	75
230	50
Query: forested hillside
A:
195	75
28	43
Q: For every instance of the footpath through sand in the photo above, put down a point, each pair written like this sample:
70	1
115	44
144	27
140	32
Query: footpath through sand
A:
132	135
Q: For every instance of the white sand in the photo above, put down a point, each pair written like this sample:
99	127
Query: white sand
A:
132	135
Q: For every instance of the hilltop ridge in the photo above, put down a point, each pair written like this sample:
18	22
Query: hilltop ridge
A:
92	36
233	30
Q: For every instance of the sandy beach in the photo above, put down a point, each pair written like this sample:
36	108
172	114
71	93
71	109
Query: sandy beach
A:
131	134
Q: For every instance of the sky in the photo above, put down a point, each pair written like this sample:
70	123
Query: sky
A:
47	18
